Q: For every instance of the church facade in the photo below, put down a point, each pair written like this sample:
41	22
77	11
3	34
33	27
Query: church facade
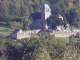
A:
39	18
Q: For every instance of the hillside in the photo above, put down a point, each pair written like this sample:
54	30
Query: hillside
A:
14	14
40	48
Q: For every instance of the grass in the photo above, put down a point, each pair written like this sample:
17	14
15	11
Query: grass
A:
5	30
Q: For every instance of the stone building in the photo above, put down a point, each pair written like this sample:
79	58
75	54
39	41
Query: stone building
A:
39	18
39	24
60	17
59	28
20	34
16	34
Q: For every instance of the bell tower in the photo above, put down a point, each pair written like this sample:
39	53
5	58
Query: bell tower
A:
45	13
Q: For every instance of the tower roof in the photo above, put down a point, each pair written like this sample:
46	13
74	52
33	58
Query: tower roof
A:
45	6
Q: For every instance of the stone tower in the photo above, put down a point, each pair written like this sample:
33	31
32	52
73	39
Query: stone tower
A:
45	13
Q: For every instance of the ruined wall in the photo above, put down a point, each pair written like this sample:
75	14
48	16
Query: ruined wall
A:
27	34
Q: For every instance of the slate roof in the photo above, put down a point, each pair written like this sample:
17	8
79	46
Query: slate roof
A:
36	15
15	31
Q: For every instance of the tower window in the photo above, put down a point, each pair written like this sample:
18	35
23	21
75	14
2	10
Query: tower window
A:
47	10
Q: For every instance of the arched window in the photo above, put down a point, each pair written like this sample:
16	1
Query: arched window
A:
47	10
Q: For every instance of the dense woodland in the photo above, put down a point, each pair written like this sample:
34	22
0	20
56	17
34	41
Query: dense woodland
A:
14	14
41	48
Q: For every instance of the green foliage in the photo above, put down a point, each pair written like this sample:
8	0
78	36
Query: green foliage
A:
54	21
26	23
36	48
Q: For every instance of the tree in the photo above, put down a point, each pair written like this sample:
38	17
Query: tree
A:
3	9
65	22
41	54
53	21
26	23
24	11
15	25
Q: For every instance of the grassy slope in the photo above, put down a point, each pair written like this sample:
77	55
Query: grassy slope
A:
5	30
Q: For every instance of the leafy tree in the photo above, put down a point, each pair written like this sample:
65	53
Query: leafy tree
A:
24	11
3	9
26	23
15	25
41	53
53	21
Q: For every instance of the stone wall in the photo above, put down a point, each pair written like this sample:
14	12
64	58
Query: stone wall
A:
27	34
62	34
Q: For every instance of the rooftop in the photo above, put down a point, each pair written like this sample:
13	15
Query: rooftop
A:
36	15
46	6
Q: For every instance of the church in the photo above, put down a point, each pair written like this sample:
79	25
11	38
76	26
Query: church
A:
38	19
39	24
